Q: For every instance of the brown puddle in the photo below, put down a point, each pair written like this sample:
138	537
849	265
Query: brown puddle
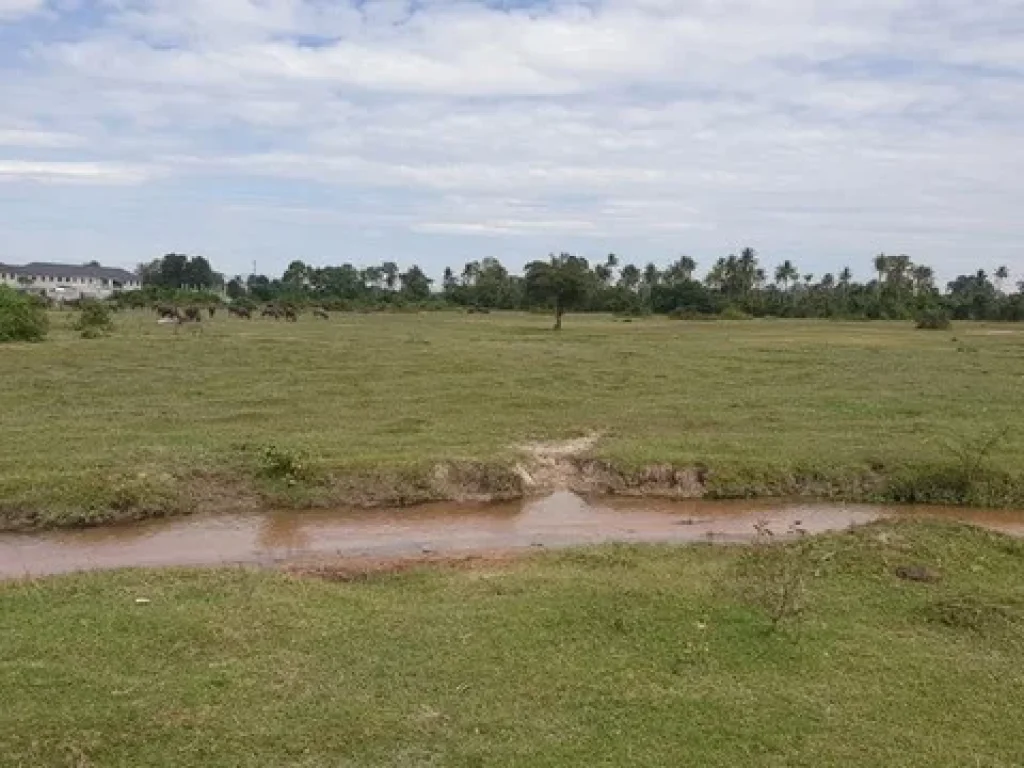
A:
559	520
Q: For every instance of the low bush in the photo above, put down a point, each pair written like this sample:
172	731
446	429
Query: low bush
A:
933	320
686	313
93	320
734	313
22	318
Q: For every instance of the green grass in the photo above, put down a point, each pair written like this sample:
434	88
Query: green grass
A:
759	402
611	656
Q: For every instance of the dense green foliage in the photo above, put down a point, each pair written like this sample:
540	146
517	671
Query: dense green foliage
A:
901	289
22	317
176	271
562	281
94	319
615	656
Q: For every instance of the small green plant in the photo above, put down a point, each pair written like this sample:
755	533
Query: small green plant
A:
774	573
974	454
22	317
279	463
933	320
93	319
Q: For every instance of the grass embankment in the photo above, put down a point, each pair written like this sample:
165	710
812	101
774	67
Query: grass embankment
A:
362	407
611	656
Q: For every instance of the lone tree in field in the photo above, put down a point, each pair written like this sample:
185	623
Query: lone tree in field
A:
561	281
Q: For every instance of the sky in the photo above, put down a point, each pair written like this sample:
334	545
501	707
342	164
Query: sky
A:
437	131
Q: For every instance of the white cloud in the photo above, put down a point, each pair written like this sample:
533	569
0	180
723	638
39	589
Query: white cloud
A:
73	172
14	9
820	131
22	137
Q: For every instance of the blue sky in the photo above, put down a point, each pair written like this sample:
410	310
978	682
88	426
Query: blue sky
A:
438	132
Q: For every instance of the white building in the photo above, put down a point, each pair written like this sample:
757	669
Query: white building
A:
69	281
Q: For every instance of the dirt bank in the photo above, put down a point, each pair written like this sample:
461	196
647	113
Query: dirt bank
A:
536	469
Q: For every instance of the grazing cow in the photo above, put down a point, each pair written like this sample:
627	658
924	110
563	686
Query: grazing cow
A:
290	314
192	315
212	310
271	311
240	312
165	310
321	313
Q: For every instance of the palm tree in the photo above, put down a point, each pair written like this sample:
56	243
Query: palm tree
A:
881	267
651	274
470	272
1002	273
900	268
681	270
845	277
449	281
785	273
390	271
629	278
922	276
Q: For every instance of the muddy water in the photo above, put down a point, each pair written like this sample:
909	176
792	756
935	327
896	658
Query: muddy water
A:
559	520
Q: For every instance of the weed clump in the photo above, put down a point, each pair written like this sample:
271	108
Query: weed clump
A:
276	463
93	320
773	575
22	318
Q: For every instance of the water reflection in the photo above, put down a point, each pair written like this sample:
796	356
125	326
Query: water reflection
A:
561	519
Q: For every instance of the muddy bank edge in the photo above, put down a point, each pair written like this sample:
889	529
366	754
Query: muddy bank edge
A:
139	496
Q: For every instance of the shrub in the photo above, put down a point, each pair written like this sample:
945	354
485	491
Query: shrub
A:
22	318
685	313
733	312
933	320
93	319
277	463
773	574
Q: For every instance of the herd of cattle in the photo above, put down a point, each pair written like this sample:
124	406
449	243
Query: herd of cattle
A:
179	315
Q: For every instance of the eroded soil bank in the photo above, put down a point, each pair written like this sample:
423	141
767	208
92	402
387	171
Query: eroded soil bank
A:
532	471
440	530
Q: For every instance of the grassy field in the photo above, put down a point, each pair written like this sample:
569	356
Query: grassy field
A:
611	656
127	423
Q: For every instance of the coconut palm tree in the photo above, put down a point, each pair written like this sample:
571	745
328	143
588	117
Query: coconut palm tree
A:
881	267
786	273
923	278
1002	273
629	277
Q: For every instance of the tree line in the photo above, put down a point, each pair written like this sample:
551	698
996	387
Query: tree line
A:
735	285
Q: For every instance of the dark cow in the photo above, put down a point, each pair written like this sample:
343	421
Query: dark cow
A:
240	312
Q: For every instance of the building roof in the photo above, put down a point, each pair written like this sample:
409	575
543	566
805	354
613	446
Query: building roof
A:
45	269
